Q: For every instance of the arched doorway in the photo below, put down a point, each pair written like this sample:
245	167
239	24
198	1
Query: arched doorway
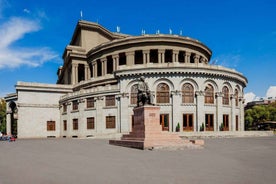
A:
13	118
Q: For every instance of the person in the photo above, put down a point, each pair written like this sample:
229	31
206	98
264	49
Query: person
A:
144	95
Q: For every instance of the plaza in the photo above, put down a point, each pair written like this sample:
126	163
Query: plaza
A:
222	160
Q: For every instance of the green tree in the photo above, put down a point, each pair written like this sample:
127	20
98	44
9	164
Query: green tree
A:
2	116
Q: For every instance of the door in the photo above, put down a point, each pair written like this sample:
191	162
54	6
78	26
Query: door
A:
164	121
209	122
188	124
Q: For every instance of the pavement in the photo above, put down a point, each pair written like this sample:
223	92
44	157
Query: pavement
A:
57	161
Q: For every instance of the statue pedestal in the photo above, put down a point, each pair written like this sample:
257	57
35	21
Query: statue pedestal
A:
147	132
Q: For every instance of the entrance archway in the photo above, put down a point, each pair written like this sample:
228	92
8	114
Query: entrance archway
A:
13	119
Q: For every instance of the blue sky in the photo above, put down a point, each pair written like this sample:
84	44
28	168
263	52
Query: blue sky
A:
241	34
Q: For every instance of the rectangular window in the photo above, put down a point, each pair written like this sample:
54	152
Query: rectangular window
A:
209	122
90	102
90	123
51	125
188	122
64	108
110	100
75	105
110	122
75	124
64	125
122	59
225	122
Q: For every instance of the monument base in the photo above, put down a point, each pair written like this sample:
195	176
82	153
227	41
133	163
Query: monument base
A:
147	132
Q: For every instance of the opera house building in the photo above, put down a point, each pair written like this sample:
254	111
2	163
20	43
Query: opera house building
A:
96	89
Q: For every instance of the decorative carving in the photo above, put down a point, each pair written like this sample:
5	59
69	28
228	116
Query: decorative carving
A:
219	94
200	93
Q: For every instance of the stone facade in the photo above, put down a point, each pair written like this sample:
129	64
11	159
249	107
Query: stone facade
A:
95	93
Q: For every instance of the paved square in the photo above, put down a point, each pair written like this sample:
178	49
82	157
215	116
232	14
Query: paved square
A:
231	160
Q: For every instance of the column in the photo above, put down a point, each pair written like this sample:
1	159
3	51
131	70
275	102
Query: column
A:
87	72
233	115
8	122
199	110
161	56
241	115
146	58
196	58
74	78
115	62
103	61
95	69
187	57
218	111
130	58
176	116
175	56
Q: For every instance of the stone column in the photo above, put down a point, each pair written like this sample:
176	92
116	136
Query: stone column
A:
94	69
175	56
199	109
103	61
115	62
241	116
130	58
196	58
219	118
176	114
87	72
146	58
100	118
233	114
187	57
161	56
74	78
8	122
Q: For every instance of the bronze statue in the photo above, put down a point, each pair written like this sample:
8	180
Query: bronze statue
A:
144	96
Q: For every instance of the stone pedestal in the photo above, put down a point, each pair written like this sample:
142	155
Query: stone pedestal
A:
147	132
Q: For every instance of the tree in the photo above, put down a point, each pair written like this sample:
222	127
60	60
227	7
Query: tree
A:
2	116
259	114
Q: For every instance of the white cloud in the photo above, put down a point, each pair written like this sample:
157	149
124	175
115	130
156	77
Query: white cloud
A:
227	60
13	30
249	97
26	11
271	92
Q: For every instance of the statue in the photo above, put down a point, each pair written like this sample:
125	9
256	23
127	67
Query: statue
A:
143	96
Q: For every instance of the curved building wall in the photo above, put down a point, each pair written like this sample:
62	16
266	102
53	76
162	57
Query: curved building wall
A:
190	91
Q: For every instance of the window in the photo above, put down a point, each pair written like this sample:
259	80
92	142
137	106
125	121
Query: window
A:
75	105
138	57
110	100
209	122
110	122
209	94
99	68
187	93
188	123
51	125
75	124
90	123
163	93
181	57
81	72
154	56
225	98
64	108
168	56
64	125
133	94
90	102
109	65
122	58
236	97
225	122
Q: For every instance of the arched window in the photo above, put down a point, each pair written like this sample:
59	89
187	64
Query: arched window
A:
225	98
209	94
163	93
236	97
133	94
187	93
